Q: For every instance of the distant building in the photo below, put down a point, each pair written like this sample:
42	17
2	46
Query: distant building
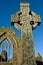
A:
38	57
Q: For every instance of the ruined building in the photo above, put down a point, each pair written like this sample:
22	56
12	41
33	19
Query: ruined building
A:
22	48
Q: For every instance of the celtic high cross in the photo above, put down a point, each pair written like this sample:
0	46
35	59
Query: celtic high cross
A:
26	20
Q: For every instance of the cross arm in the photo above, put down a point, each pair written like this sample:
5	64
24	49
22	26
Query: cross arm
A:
16	18
35	19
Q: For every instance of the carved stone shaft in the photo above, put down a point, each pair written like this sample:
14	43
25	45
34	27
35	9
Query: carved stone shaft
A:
26	29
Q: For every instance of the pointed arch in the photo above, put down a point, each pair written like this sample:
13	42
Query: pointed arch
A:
7	46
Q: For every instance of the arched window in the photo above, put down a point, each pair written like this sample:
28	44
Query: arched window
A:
6	50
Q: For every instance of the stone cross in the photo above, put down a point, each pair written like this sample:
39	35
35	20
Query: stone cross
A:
26	20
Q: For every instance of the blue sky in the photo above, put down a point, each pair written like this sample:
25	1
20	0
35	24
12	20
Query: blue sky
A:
9	7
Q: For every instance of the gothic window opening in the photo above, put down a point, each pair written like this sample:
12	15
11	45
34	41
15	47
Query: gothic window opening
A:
6	51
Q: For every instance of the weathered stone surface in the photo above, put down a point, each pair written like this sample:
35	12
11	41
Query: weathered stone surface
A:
28	20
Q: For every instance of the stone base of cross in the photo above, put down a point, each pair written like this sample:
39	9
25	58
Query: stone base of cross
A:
26	21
